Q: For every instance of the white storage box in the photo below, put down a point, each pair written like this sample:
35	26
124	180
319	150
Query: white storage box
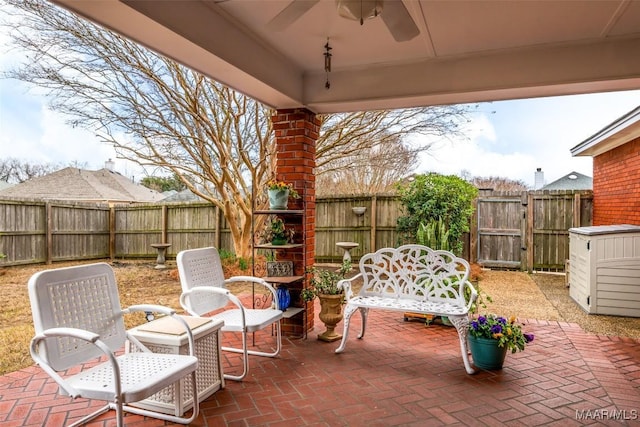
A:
167	336
604	269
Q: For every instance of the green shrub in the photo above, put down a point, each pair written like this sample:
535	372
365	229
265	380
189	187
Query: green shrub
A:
434	197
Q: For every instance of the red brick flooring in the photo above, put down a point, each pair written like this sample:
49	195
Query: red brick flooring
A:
400	374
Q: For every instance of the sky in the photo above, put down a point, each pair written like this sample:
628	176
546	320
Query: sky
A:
509	139
513	138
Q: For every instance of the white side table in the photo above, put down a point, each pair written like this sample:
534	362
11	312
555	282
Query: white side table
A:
166	335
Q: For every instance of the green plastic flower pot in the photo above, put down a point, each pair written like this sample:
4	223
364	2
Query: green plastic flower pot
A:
486	354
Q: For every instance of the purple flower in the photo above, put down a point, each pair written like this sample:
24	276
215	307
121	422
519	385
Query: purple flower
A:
528	337
496	329
501	320
482	320
474	325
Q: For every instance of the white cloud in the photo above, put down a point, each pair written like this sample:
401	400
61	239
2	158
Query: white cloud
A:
64	143
523	135
46	138
30	131
475	156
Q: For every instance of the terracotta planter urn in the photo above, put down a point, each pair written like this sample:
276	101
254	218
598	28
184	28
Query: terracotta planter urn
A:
330	315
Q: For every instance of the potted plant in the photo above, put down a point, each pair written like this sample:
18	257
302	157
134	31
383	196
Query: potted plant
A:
276	233
324	285
279	193
491	336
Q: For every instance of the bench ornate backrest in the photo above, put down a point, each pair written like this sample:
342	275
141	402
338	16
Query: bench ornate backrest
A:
415	272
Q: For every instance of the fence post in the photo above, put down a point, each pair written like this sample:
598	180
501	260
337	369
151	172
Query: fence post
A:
524	225
163	226
529	249
374	222
112	233
48	232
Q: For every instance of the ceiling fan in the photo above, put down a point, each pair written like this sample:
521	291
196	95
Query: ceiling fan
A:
393	12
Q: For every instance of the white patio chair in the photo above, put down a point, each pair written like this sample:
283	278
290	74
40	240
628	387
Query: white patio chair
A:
204	291
78	320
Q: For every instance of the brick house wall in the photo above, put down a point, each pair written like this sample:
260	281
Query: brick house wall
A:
616	185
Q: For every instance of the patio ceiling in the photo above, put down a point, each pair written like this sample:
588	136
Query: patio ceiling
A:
466	51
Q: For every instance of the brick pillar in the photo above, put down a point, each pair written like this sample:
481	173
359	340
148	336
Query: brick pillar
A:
296	133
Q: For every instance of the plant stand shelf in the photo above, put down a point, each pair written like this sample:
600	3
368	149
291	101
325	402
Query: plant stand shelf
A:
279	212
282	280
285	264
287	246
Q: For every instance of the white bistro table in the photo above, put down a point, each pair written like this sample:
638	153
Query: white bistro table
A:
166	335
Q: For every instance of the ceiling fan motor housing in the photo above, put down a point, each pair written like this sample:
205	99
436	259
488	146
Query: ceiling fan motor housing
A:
359	10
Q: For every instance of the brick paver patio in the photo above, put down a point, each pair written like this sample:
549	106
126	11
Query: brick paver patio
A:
400	374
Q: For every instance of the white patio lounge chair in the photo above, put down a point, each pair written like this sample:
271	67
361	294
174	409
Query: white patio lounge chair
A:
204	291
78	320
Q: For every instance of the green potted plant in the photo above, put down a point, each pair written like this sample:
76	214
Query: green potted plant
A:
324	285
279	193
491	336
276	233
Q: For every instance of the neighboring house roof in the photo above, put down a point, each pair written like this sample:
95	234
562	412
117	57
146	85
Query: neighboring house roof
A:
615	134
5	184
571	181
83	185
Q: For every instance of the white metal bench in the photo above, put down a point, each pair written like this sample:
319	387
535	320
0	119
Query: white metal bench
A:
416	279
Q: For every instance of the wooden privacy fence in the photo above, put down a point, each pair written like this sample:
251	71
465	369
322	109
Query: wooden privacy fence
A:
33	232
527	230
36	231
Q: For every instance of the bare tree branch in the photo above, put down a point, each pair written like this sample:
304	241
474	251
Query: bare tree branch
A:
370	151
220	144
153	110
15	171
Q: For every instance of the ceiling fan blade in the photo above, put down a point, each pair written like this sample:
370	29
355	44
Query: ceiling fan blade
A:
290	14
397	19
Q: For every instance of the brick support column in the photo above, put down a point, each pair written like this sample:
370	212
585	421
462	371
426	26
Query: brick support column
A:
296	133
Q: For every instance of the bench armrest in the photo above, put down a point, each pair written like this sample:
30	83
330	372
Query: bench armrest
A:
345	285
473	294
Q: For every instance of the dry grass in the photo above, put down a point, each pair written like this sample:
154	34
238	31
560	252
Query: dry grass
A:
137	282
537	296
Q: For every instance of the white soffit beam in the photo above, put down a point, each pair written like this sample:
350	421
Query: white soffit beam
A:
596	67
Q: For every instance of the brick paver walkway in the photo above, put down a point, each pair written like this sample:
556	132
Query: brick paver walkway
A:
400	374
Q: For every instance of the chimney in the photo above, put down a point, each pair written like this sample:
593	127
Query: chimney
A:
539	179
110	165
